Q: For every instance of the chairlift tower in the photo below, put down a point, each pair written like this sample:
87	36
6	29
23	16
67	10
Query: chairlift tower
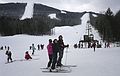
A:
88	28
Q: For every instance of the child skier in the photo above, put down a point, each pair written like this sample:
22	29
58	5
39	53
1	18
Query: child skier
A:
50	52
27	56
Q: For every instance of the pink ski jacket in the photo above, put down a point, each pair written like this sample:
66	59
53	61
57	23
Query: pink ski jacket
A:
49	48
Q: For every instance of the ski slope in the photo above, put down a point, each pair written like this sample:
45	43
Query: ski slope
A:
103	62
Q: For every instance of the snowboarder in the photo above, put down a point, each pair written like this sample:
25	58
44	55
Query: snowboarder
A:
50	52
9	54
55	48
33	49
61	50
27	56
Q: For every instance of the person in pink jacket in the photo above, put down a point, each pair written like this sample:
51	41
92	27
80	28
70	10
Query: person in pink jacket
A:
50	53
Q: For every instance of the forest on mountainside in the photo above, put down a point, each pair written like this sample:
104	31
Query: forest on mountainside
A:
108	25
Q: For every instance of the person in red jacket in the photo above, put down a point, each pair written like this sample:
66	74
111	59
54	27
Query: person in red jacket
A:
27	56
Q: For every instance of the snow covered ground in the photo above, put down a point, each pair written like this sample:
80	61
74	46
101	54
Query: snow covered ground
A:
103	62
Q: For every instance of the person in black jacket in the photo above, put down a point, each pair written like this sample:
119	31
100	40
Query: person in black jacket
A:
55	48
94	45
9	54
61	50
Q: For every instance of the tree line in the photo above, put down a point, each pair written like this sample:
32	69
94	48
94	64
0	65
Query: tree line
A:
107	24
38	25
35	26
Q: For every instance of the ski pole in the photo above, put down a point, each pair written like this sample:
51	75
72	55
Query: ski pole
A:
66	56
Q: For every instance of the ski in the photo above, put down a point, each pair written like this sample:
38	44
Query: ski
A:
57	70
69	66
10	62
21	60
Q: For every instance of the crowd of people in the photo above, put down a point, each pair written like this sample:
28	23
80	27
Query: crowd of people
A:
39	46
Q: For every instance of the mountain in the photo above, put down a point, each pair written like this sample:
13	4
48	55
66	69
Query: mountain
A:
40	10
70	18
39	24
15	10
65	19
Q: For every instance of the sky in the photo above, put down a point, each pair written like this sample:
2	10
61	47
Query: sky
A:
76	5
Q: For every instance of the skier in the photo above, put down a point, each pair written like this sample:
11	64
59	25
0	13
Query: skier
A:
82	45
33	48
38	47
108	45
61	50
5	47
50	52
55	48
105	44
89	44
42	46
1	48
79	45
94	45
30	47
27	56
9	54
75	45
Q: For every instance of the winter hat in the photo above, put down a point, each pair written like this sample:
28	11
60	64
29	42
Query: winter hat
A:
26	52
60	36
55	40
50	40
